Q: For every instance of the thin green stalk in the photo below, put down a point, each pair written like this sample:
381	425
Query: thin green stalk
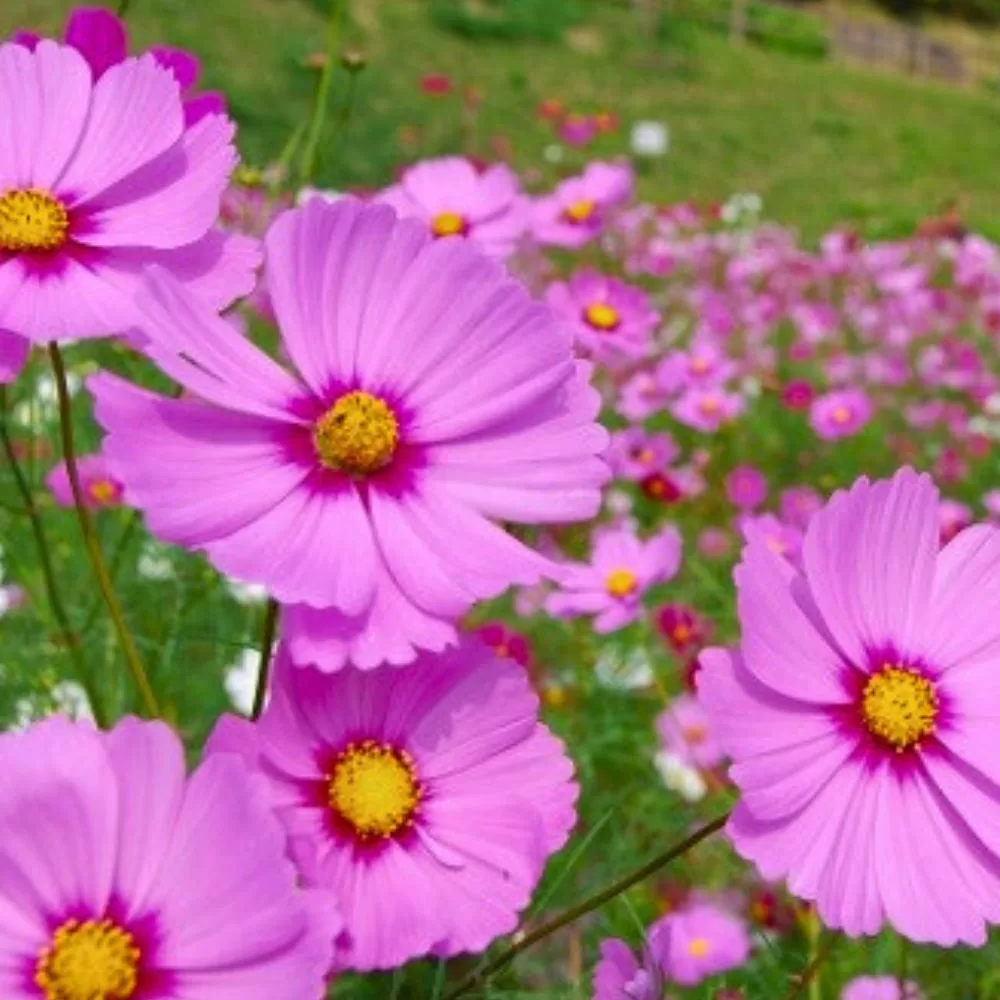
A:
131	652
338	11
813	969
117	555
267	633
69	637
598	899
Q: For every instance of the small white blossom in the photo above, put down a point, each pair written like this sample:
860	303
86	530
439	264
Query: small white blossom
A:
680	777
241	680
650	138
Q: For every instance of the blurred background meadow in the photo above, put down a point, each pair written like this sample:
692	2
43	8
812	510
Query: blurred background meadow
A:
815	190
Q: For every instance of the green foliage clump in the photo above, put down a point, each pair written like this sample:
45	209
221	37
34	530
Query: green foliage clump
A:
785	30
506	20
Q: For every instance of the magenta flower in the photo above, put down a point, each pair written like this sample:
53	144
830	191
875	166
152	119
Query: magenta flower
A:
683	628
431	394
579	207
953	516
427	800
746	487
840	414
684	730
452	198
698	941
635	453
102	39
125	879
702	366
707	409
779	536
612	321
619	976
641	396
100	488
860	715
622	568
577	130
715	543
797	505
506	643
880	988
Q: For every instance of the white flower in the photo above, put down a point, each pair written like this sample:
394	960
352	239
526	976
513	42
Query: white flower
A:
553	153
66	698
650	138
680	777
624	673
44	403
154	562
246	593
241	680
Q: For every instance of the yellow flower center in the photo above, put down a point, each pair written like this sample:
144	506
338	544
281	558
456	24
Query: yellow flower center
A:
32	220
103	491
448	224
621	582
699	947
602	316
900	707
696	733
374	788
682	633
93	960
841	415
709	405
698	366
357	435
580	211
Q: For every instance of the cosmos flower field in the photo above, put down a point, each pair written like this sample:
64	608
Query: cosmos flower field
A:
489	585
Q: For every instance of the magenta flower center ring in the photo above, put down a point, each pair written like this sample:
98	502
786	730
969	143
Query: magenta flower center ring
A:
358	435
601	316
89	960
374	788
32	220
899	707
448	224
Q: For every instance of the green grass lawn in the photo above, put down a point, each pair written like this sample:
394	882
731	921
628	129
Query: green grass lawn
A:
822	143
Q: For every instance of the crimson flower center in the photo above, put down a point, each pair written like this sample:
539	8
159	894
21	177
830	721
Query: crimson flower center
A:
357	435
900	707
374	788
32	220
90	960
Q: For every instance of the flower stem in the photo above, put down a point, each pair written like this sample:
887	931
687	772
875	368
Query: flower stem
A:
598	899
69	637
812	970
338	10
267	633
131	652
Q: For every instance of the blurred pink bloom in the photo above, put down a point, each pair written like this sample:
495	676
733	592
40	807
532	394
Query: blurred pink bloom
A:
641	396
703	365
707	409
619	976
746	487
865	687
840	414
579	207
635	453
698	941
577	130
684	731
781	538
954	516
505	642
797	505
612	321
716	543
611	586
682	627
798	394
452	198
412	796
99	486
880	988
436	84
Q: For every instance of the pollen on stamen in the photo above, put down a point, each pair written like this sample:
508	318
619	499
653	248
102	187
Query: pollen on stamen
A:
900	707
32	220
87	960
358	435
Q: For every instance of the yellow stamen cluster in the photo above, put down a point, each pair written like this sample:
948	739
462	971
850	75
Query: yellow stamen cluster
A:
900	707
448	224
32	220
89	960
699	947
580	211
621	582
841	415
103	491
374	788
357	435
601	316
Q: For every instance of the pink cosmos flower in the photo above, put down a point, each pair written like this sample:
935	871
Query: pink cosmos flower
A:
698	941
797	505
93	193
684	731
954	516
452	198
780	537
880	988
123	878
579	207
702	366
622	568
715	543
991	501
840	414
682	627
577	130
641	396
612	321
860	715
427	800
635	453
100	488
746	487
707	409
506	643
102	39
431	394
619	976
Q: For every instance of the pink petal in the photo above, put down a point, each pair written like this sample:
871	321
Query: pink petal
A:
14	351
99	36
185	66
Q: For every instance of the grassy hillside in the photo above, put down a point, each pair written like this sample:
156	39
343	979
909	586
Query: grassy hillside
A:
822	143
